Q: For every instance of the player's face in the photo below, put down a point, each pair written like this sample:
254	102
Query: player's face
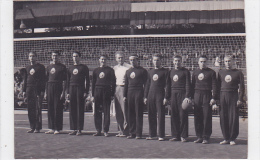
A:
103	60
120	59
133	61
32	57
75	58
228	62
157	62
202	63
177	62
55	57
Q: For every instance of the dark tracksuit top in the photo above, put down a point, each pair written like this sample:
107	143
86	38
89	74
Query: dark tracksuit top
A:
35	80
135	79
155	93
229	81
103	88
56	74
179	88
77	84
203	82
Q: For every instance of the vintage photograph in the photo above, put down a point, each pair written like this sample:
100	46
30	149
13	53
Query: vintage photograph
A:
130	79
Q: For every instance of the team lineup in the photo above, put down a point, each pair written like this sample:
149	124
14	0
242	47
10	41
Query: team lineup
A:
131	87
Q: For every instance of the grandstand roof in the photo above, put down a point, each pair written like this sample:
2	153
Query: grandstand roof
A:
72	13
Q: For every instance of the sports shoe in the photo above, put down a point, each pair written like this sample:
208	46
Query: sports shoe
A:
151	138
37	131
122	135
184	139
105	134
160	139
130	137
56	132
79	133
174	139
232	143
224	142
118	135
49	132
97	134
30	131
137	137
205	141
73	133
199	140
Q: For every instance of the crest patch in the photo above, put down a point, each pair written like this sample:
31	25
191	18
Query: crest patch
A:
201	76
75	71
155	77
228	78
52	70
101	75
132	75
175	78
32	71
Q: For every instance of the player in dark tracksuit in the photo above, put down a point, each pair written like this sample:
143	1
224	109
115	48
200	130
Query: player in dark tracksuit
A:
55	92
178	90
204	90
34	87
135	80
229	81
103	90
155	98
77	89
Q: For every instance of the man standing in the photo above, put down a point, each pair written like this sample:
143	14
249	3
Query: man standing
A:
34	87
77	89
204	94
103	90
120	105
178	89
55	93
155	98
229	80
135	79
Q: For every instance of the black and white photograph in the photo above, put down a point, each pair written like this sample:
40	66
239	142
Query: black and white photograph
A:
132	79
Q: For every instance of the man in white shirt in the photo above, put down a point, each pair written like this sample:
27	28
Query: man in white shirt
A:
120	105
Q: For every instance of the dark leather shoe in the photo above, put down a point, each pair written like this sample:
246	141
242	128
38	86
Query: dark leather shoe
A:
37	131
73	133
174	139
97	134
130	137
30	131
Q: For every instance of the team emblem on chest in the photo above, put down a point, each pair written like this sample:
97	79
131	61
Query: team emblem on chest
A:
52	70
32	71
155	77
132	75
101	75
175	78
228	78
75	71
201	76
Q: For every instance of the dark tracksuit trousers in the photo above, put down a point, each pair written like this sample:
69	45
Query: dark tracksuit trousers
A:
34	108
229	114
102	104
135	111
203	114
155	105
76	107
179	117
55	106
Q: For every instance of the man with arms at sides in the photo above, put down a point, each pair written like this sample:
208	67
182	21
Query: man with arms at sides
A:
34	87
178	90
155	98
120	105
135	79
204	90
77	89
229	81
103	90
55	93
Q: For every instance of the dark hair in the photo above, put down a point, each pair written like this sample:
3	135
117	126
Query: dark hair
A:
203	56
157	55
135	55
77	53
56	51
177	56
34	53
103	55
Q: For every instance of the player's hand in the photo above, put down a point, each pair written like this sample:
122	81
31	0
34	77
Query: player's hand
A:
45	96
212	101
215	107
85	95
145	100
92	99
188	100
68	96
239	103
24	94
62	96
124	99
164	101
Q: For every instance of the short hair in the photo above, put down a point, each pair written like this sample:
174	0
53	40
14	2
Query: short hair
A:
177	56
77	52
56	51
103	55
134	55
120	52
203	56
157	55
32	52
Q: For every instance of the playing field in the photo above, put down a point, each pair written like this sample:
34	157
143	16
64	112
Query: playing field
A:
42	146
